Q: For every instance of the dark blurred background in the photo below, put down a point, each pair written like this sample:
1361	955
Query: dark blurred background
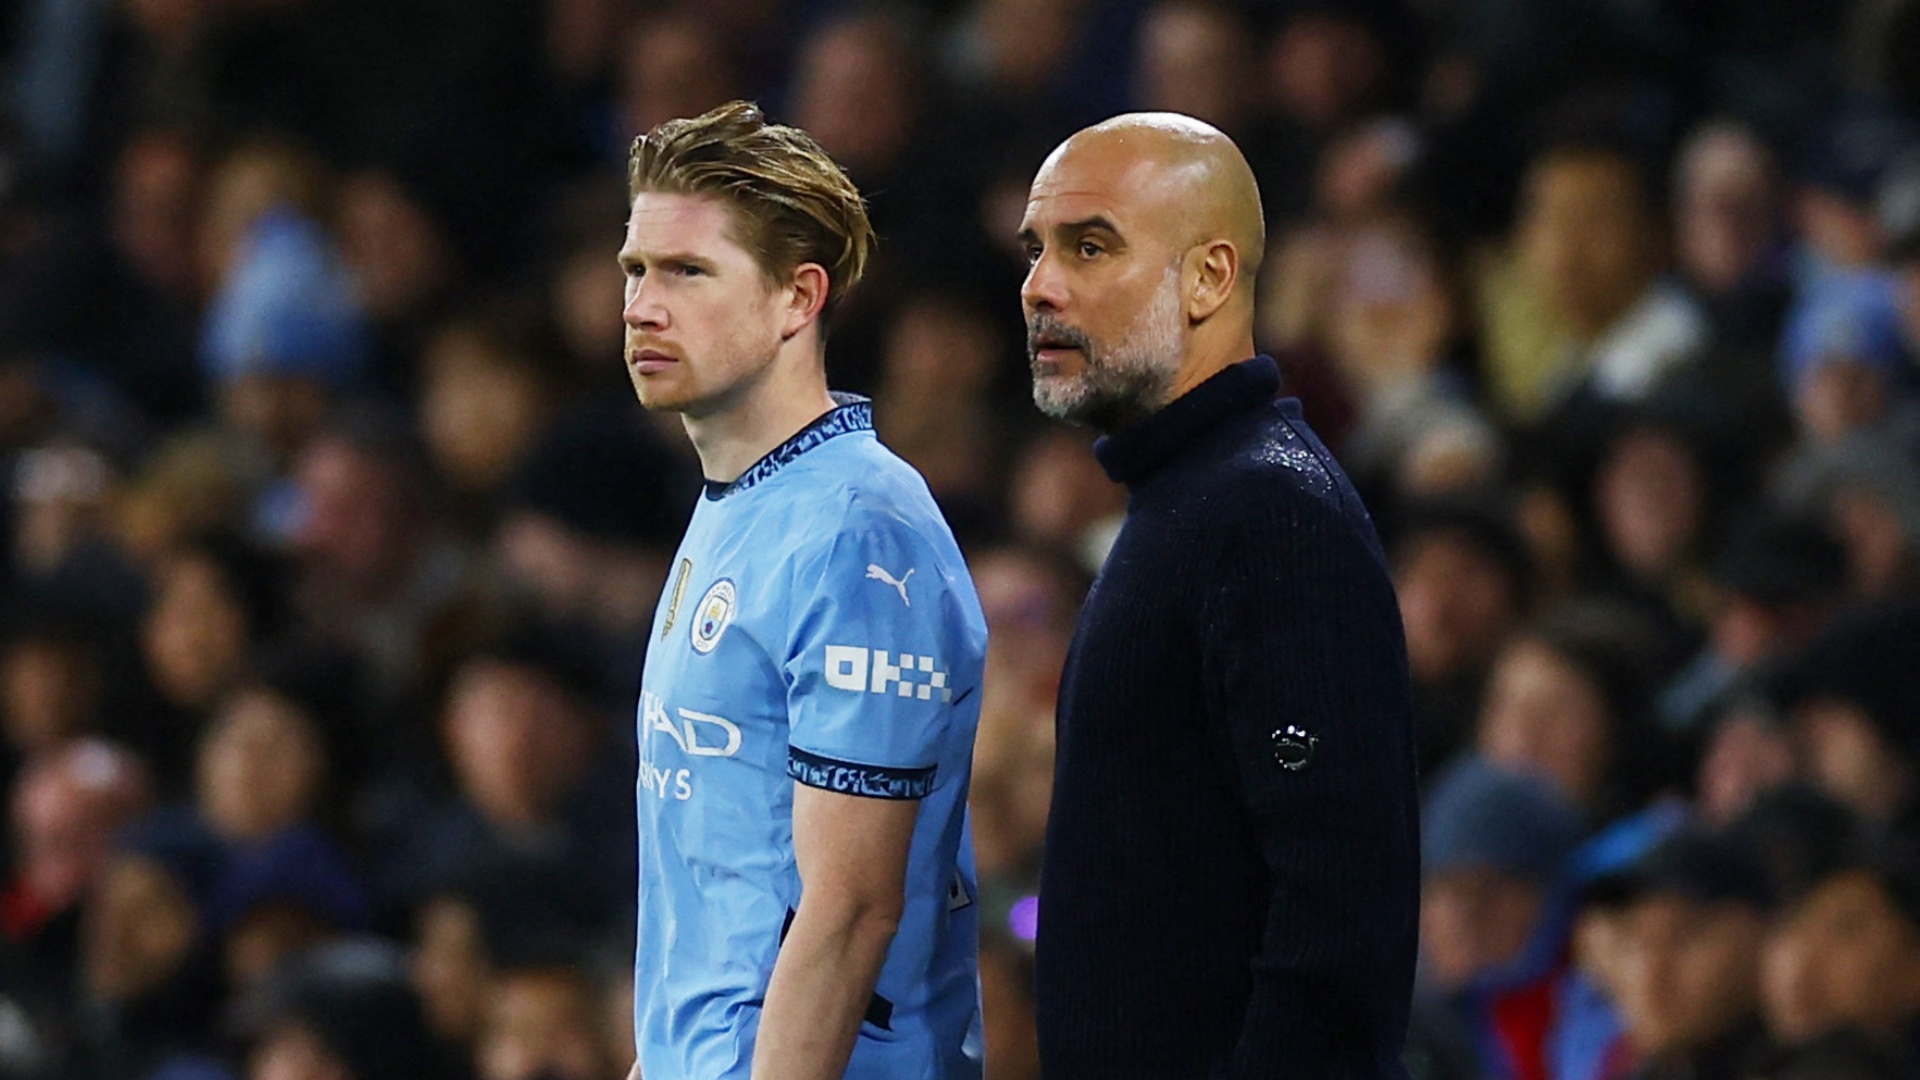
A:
332	530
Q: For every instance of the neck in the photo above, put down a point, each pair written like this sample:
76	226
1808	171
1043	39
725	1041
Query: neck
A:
1209	355
788	396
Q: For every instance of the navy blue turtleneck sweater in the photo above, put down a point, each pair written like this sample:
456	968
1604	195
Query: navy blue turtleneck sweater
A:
1231	878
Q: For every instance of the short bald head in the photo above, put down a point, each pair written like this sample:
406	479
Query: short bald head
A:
1182	177
1144	234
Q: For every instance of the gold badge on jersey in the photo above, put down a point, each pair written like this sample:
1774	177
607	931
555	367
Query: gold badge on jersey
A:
673	602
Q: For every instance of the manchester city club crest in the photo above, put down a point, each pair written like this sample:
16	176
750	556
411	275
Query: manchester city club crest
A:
713	616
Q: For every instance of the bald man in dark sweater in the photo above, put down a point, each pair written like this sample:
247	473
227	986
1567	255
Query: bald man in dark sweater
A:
1231	877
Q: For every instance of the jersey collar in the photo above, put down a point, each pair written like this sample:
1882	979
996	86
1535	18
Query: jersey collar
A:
850	413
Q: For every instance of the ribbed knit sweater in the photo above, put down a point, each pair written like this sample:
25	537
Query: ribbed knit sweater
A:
1231	878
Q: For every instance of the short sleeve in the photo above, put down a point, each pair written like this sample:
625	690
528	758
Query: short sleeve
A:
871	662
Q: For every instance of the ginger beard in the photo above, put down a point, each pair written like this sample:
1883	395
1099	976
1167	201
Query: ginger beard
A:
1114	385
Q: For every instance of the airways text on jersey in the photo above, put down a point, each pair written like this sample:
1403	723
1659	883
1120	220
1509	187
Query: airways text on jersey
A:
696	734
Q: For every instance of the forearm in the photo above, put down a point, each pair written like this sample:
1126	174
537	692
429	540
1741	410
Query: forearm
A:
822	984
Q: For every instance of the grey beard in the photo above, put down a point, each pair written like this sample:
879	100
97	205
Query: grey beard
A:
1122	384
1105	397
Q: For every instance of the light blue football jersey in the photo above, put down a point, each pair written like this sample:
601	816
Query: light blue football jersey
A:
818	627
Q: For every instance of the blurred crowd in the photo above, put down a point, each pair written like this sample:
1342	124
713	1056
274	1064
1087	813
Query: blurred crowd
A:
332	531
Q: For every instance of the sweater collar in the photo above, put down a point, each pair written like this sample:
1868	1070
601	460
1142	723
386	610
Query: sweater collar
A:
1137	450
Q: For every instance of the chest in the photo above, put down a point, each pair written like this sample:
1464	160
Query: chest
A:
714	684
1136	646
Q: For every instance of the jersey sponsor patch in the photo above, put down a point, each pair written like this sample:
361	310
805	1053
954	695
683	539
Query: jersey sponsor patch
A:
714	615
874	671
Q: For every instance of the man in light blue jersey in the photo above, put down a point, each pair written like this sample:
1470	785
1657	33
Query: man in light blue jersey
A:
812	684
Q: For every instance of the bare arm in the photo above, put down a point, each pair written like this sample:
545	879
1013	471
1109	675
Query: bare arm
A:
852	855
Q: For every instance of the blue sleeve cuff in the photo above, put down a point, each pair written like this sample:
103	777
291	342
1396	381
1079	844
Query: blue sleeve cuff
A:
849	778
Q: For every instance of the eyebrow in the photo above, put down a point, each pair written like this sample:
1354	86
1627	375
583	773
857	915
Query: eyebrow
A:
629	258
1098	222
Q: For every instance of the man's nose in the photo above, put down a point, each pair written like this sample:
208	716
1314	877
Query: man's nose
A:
1045	287
643	309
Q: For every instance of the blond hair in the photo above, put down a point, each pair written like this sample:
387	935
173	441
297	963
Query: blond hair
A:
792	204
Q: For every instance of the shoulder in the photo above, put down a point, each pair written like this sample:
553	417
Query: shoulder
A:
1275	489
1274	460
867	488
866	498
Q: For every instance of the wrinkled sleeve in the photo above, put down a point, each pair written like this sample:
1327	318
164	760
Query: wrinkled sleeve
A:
870	662
1307	689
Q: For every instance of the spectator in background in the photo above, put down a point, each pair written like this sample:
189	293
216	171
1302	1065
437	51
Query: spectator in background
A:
1658	495
1395	334
279	897
1843	363
52	676
1325	68
543	1022
1567	700
1030	595
669	65
1060	499
1687	978
375	572
1014	62
533	778
486	395
1746	752
493	915
263	765
1462	574
857	91
214	599
61	548
1775	581
1492	925
1867	490
450	967
1589	241
343	1011
1730	243
587	533
190	484
583	293
283	331
943	358
1192	60
66	807
1842	354
150	987
1849	695
155	204
1847	955
138	262
401	251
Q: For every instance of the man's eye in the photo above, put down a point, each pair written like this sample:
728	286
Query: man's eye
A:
635	271
1089	249
687	270
1033	254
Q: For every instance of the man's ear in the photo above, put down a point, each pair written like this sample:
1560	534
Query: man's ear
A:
806	298
1212	270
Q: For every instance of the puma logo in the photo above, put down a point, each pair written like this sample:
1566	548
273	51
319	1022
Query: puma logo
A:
876	572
